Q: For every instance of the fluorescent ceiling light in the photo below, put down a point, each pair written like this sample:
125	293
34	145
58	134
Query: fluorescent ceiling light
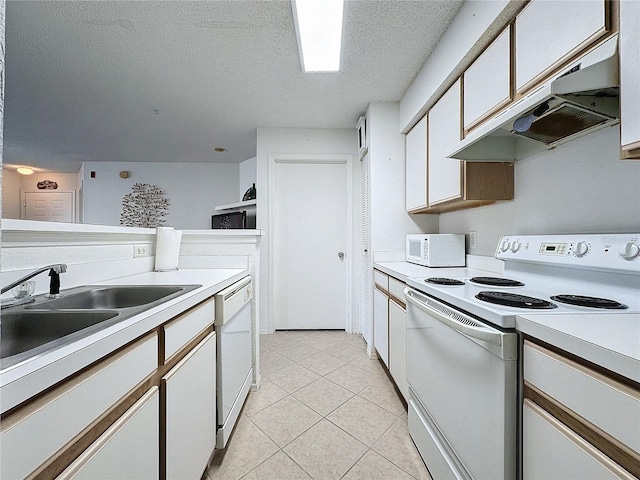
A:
24	170
319	31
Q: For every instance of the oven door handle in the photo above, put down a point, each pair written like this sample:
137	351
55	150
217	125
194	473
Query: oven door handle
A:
485	334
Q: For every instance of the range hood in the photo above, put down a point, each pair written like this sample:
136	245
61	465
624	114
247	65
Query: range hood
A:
581	99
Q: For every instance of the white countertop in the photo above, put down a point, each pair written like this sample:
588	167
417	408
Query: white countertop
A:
476	265
611	341
22	381
404	270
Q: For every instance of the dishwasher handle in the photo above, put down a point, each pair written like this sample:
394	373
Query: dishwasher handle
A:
464	324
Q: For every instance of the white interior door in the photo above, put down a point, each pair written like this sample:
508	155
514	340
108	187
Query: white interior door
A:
309	229
49	206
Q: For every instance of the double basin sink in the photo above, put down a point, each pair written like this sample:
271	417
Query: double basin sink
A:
46	324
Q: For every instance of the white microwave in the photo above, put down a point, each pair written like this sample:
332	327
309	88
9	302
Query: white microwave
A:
436	250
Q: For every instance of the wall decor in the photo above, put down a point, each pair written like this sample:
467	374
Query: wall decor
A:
144	206
47	185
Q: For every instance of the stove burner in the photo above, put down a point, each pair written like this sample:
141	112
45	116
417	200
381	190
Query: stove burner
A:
444	281
497	281
592	302
513	300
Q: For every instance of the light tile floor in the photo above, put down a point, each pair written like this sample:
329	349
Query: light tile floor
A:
325	411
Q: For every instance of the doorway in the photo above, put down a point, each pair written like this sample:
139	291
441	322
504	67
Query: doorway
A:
49	206
310	231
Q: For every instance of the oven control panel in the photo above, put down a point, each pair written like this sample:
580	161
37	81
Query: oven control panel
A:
620	252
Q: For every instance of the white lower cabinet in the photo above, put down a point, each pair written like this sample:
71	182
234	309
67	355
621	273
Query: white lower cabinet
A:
553	451
398	347
190	403
66	411
381	325
568	430
110	456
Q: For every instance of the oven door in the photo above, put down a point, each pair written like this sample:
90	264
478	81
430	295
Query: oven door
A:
463	378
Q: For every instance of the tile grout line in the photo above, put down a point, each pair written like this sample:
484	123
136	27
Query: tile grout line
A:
377	377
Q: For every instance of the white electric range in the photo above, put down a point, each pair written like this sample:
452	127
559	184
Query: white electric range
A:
559	274
463	350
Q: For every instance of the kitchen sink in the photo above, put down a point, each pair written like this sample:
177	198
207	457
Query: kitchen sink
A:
112	297
30	330
27	330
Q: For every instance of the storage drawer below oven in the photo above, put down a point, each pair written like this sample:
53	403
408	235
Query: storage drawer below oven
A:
431	450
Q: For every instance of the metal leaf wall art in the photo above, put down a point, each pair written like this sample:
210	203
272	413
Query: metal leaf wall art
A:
144	206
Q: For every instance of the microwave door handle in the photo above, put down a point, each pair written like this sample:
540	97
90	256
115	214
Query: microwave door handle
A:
480	333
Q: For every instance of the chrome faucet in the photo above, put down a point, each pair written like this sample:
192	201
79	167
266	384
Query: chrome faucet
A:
54	284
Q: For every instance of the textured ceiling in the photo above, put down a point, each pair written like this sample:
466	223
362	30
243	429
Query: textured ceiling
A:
168	81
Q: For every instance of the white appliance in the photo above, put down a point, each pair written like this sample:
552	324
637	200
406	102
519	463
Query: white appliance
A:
436	250
581	99
233	362
463	409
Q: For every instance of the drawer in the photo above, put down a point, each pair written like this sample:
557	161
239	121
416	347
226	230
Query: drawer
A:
586	392
71	408
566	455
381	279
396	288
181	330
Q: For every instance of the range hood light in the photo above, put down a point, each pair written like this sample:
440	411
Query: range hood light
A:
524	123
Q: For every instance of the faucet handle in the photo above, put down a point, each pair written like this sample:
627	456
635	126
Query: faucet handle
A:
54	283
60	268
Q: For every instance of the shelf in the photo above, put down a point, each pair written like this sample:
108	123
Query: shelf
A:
231	206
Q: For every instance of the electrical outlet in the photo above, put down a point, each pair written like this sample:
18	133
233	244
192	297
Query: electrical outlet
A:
140	251
473	239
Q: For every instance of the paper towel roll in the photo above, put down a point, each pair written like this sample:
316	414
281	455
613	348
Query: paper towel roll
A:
167	249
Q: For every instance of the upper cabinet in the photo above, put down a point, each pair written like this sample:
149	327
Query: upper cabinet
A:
487	82
629	48
444	174
549	33
416	167
437	184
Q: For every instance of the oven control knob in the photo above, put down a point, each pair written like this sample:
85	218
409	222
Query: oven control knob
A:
630	251
581	249
504	246
515	246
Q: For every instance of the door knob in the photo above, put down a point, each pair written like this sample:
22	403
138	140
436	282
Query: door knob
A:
340	255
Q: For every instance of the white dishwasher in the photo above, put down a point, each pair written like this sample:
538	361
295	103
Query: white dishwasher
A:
233	362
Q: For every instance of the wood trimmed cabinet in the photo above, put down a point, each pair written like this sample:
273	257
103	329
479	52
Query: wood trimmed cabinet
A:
113	418
549	33
381	315
487	83
629	48
416	167
390	338
109	456
568	431
455	184
189	399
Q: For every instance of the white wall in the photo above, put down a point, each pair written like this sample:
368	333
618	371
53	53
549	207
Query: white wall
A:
389	220
193	190
14	184
578	187
300	141
477	23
